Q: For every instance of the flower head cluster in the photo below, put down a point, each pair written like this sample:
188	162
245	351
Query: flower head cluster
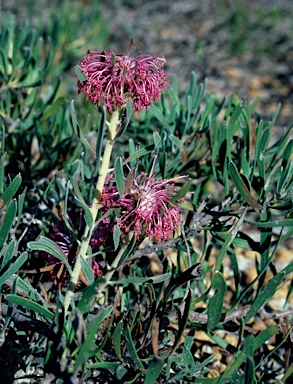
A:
145	207
112	79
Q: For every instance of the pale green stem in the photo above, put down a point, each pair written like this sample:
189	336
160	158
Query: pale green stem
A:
112	127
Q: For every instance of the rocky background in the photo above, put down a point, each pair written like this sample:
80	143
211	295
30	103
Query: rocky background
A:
240	47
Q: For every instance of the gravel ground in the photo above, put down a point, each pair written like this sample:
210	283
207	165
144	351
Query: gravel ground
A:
246	49
242	47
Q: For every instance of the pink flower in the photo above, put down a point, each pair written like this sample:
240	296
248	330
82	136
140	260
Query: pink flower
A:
146	207
112	79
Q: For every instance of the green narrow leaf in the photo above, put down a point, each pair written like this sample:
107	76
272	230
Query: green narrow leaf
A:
100	136
188	104
235	269
5	63
287	153
234	365
49	246
128	250
87	212
13	268
184	318
103	365
203	380
177	142
288	374
116	237
50	96
154	370
260	149
265	241
142	280
132	150
162	163
245	164
119	175
75	180
253	105
65	210
51	109
9	252
255	343
232	235
77	129
131	347
128	111
29	304
89	342
216	302
172	361
232	126
264	295
117	339
237	378
241	186
205	118
156	139
218	340
159	116
275	115
120	372
141	152
271	224
2	156
20	204
285	174
265	335
7	222
84	304
285	178
32	80
80	75
191	273
249	370
11	190
28	289
87	270
182	192
188	359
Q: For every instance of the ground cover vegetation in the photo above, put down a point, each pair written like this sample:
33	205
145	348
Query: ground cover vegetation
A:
130	214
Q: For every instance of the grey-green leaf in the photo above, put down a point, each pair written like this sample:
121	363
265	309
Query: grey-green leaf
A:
49	246
264	295
7	222
13	268
216	302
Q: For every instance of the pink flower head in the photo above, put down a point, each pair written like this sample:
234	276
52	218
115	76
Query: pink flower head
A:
112	79
146	207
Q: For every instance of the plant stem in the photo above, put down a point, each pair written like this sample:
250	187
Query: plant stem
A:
112	127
